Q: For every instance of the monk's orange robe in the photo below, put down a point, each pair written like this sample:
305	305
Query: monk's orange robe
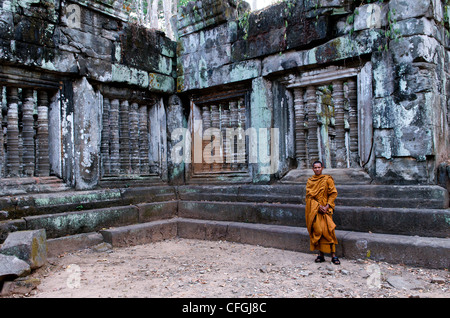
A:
320	190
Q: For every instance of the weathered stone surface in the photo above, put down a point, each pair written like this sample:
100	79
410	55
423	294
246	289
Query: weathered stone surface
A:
198	15
87	139
70	223
156	211
403	9
20	286
67	244
401	283
29	246
12	267
370	16
143	233
353	245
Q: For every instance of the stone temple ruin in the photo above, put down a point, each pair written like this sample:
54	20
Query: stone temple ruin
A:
113	132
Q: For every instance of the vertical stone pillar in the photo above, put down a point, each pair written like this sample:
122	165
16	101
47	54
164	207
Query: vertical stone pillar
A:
143	140
206	124
242	154
134	139
300	136
2	141
313	141
225	124
338	99
124	137
176	121
114	137
104	148
353	122
29	157
12	159
43	161
215	123
234	123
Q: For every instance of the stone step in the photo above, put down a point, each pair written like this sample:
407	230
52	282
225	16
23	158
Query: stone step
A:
422	222
431	197
398	249
49	203
20	186
77	222
415	197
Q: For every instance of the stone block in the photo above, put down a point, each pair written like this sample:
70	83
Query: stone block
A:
159	83
404	9
67	244
29	246
12	267
142	233
88	135
20	286
416	251
156	211
407	169
70	223
370	16
417	48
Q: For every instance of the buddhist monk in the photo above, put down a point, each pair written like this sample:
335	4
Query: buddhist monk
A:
320	195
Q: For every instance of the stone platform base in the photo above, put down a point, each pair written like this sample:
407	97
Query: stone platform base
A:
399	249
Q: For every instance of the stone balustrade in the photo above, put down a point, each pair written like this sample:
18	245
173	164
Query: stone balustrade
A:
24	140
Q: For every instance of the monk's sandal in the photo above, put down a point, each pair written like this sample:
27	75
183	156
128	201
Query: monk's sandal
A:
320	259
335	261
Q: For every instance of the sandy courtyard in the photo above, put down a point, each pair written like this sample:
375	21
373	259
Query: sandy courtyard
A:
192	268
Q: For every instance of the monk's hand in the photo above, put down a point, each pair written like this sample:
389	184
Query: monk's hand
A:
324	209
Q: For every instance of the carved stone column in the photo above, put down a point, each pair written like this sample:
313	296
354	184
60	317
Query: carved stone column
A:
114	137
225	123
104	147
124	137
338	99
134	138
242	154
234	123
313	141
29	157
206	121
12	160
43	161
300	136
143	140
353	122
215	123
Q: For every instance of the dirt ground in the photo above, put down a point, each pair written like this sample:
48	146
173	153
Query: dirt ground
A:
191	268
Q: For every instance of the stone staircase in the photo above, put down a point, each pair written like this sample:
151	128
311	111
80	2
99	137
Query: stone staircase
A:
398	224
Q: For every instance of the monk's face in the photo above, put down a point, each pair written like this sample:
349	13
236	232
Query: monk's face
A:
317	168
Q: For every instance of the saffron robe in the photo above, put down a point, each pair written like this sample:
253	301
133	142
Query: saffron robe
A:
320	190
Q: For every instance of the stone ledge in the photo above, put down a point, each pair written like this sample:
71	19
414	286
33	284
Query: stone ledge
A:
423	222
142	233
68	244
408	250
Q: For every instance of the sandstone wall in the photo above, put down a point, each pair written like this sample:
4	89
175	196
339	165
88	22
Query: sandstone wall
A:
84	54
399	51
364	87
